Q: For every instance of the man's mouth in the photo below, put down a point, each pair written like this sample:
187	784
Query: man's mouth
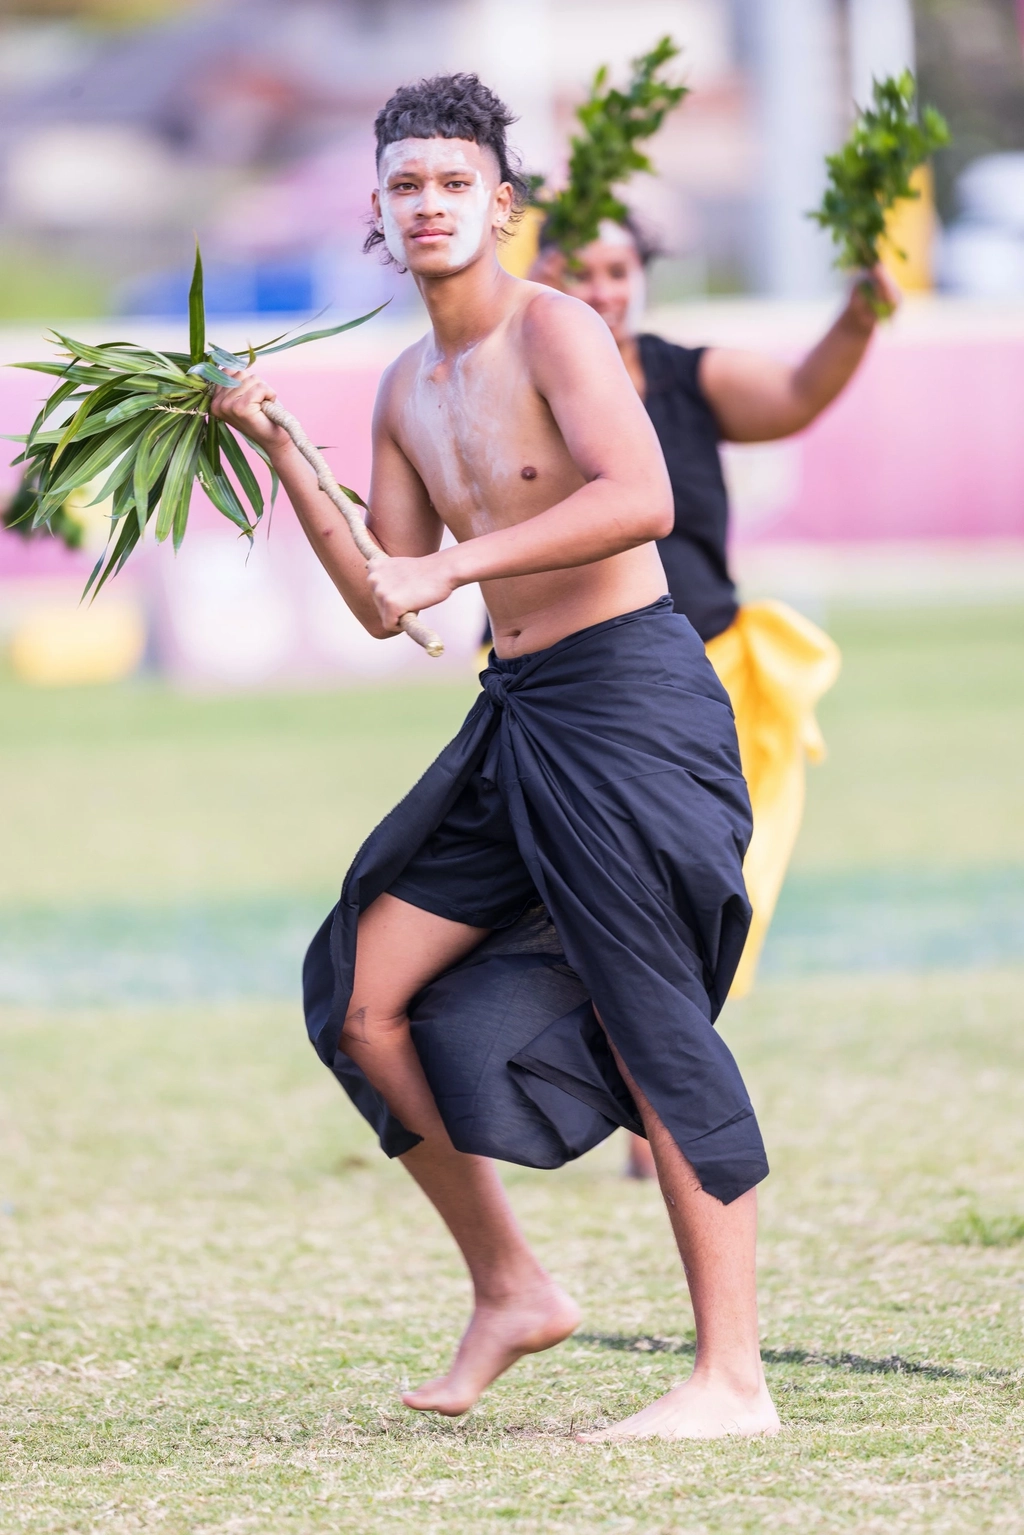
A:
432	234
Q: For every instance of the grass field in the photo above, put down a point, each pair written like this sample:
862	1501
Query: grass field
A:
212	1285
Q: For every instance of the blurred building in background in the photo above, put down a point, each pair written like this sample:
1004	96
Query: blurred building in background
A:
126	124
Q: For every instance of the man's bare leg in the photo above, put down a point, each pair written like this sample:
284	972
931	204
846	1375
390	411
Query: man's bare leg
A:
639	1158
518	1308
727	1393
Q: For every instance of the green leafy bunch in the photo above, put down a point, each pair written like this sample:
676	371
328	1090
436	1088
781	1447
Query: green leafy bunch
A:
142	418
872	171
606	153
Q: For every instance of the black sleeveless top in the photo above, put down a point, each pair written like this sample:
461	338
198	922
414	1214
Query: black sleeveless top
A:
694	554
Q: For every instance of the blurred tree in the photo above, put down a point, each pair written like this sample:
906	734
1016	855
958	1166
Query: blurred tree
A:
970	63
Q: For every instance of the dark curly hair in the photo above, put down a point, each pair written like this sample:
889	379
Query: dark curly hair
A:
450	107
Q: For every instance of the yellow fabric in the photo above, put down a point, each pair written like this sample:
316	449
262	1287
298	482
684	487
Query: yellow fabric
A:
518	251
909	240
775	665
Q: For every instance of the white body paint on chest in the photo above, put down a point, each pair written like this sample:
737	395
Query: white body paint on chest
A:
461	429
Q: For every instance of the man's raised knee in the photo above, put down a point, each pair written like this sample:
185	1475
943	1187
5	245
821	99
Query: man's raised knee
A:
368	1025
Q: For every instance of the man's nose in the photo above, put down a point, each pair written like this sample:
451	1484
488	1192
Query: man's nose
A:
430	202
601	295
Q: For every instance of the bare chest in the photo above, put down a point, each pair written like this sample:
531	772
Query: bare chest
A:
482	440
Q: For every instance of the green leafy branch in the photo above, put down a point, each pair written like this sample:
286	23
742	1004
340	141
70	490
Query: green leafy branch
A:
606	153
142	419
873	170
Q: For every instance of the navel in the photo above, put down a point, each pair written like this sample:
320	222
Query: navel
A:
529	473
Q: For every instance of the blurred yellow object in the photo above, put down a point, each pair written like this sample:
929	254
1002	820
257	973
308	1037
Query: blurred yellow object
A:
518	253
93	519
61	646
910	229
775	665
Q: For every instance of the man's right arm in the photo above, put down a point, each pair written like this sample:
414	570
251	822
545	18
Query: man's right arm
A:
405	523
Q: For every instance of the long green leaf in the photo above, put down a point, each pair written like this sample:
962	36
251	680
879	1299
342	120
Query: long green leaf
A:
127	538
318	335
100	457
78	374
124	500
60	394
119	475
275	483
180	474
225	359
213	444
155	447
138	360
353	496
243	470
51	484
134	405
181	511
222	493
211	374
197	312
165	359
98	397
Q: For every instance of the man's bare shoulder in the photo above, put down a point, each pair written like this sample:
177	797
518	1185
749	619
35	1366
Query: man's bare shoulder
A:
399	376
555	325
551	316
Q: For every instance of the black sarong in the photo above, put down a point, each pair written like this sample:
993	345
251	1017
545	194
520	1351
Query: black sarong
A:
615	753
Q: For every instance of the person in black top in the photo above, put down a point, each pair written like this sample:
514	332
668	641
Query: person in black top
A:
698	397
773	662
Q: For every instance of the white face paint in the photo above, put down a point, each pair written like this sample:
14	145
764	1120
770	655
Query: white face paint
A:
392	233
464	212
471	216
610	233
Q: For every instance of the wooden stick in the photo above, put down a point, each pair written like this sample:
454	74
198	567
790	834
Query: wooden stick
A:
410	622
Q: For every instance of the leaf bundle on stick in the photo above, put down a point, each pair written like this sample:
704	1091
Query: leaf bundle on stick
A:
140	419
606	153
873	170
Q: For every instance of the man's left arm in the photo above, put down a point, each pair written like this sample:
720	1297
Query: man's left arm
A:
755	397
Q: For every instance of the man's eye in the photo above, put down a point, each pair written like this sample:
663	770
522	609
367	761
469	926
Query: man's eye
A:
457	183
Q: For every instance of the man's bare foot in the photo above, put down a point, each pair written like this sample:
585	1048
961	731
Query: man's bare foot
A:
498	1335
698	1409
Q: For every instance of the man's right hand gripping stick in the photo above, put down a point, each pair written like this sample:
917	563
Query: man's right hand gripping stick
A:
410	622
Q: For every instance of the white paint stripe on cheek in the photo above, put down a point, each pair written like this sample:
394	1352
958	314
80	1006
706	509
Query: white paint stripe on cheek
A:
468	214
637	299
392	233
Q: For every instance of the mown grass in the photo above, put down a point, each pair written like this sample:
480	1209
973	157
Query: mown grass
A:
212	1286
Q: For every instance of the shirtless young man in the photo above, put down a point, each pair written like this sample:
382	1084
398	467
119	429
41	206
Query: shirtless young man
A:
593	796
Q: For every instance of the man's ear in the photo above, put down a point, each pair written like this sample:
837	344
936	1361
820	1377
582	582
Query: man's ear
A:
375	203
502	204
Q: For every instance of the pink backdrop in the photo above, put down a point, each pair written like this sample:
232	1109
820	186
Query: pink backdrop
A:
926	443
